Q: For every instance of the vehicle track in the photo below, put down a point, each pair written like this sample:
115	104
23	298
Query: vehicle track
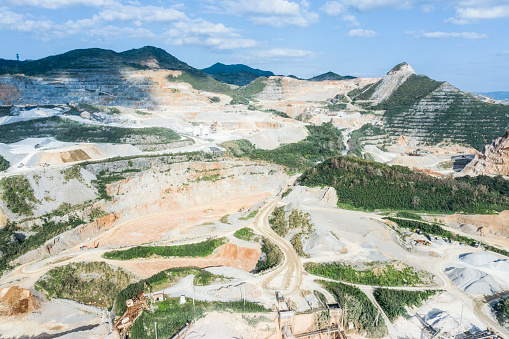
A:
291	267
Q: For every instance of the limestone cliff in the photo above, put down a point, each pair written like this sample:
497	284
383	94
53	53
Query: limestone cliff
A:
493	160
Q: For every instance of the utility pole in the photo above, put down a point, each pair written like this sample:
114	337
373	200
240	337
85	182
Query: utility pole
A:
155	326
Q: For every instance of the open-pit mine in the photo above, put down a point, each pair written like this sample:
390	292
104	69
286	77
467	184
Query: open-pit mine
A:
143	198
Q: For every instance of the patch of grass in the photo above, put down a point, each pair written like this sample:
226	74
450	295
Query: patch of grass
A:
361	310
297	245
244	234
271	256
73	172
94	283
224	219
18	195
171	316
408	215
393	302
143	113
4	164
397	274
201	249
250	215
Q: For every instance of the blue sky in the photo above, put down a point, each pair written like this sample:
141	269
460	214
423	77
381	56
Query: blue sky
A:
465	42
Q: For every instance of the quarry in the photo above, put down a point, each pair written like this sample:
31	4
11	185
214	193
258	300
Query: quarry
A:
151	202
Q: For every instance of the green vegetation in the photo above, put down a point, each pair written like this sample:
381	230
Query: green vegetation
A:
296	220
161	281
4	164
103	179
271	256
408	215
250	215
73	172
437	230
215	99
256	86
323	142
13	247
278	113
90	283
224	219
201	249
171	316
395	274
296	242
361	310
142	112
336	107
502	310
245	234
393	301
415	88
71	131
369	185
355	143
18	194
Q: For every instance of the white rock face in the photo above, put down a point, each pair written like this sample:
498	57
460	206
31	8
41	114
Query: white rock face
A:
391	82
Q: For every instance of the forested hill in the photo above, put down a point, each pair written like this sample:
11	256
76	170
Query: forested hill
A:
369	185
331	76
145	57
433	111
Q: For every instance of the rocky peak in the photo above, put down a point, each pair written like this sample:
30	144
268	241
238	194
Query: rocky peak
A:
494	159
401	68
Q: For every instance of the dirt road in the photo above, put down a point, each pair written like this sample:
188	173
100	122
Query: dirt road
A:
288	276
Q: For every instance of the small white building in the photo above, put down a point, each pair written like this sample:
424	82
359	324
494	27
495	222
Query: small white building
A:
158	297
182	299
201	131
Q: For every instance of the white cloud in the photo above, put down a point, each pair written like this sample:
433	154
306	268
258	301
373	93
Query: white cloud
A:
455	21
140	14
445	35
333	8
474	13
276	13
365	33
336	8
368	5
283	52
55	4
204	33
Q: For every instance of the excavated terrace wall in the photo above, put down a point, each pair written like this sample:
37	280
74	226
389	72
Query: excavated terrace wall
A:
162	186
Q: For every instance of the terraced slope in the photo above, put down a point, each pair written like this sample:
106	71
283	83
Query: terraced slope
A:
447	114
431	112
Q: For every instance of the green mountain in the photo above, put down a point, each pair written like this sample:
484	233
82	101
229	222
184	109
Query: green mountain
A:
432	111
93	58
331	76
239	75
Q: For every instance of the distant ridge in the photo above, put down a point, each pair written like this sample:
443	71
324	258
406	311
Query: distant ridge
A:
331	76
238	68
499	95
142	58
238	74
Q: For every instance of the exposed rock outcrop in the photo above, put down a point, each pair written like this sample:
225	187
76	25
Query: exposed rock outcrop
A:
493	160
389	83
